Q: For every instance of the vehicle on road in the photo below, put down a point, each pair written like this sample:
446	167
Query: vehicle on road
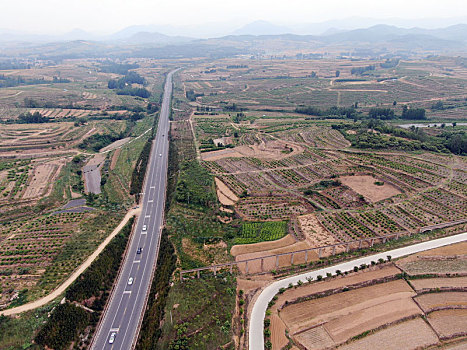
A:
139	251
112	337
130	281
145	227
160	154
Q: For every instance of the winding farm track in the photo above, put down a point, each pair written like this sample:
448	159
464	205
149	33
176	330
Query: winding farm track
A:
255	333
61	289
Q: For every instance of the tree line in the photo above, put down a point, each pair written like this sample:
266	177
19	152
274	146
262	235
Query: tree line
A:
68	321
12	81
123	86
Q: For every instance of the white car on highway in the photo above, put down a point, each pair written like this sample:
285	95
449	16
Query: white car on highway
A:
145	227
130	281
160	154
112	337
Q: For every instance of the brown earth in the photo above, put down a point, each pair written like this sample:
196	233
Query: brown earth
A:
225	195
431	301
265	150
278	338
365	185
115	144
43	176
449	322
335	283
313	312
241	249
114	160
270	263
409	335
421	267
433	283
315	233
367	318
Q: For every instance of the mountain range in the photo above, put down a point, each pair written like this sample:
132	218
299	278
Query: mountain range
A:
256	38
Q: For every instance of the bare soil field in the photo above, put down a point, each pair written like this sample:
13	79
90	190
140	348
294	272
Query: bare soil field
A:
314	232
432	301
409	335
433	283
113	162
315	338
241	249
313	312
449	322
42	178
365	185
335	283
353	324
421	267
224	153
278	338
450	250
270	263
274	150
225	195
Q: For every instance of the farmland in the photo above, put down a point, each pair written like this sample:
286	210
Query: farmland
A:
51	134
369	307
266	157
273	161
286	142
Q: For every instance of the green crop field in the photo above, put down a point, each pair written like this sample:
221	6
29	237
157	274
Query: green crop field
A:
253	232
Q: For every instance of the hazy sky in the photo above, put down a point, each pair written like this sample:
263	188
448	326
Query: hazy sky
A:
58	16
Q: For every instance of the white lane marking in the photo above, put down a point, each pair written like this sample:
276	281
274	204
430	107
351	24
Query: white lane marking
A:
147	216
136	261
151	200
152	187
114	329
161	172
144	233
153	171
127	292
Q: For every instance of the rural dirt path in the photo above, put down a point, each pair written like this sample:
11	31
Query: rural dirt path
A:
61	289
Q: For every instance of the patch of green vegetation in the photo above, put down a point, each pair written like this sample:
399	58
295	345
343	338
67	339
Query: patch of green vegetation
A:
100	275
254	232
88	236
200	320
376	134
63	327
150	331
195	185
18	333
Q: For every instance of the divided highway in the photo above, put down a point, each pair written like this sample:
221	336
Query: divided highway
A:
119	326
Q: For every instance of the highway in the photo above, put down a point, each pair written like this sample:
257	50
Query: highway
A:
256	337
126	305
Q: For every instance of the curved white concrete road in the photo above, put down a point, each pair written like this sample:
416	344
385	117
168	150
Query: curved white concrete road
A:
256	338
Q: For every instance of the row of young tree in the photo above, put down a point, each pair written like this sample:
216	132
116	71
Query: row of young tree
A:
32	118
374	113
12	81
68	320
128	79
124	85
454	141
407	113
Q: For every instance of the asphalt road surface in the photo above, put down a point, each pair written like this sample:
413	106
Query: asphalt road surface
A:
256	338
127	302
92	178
